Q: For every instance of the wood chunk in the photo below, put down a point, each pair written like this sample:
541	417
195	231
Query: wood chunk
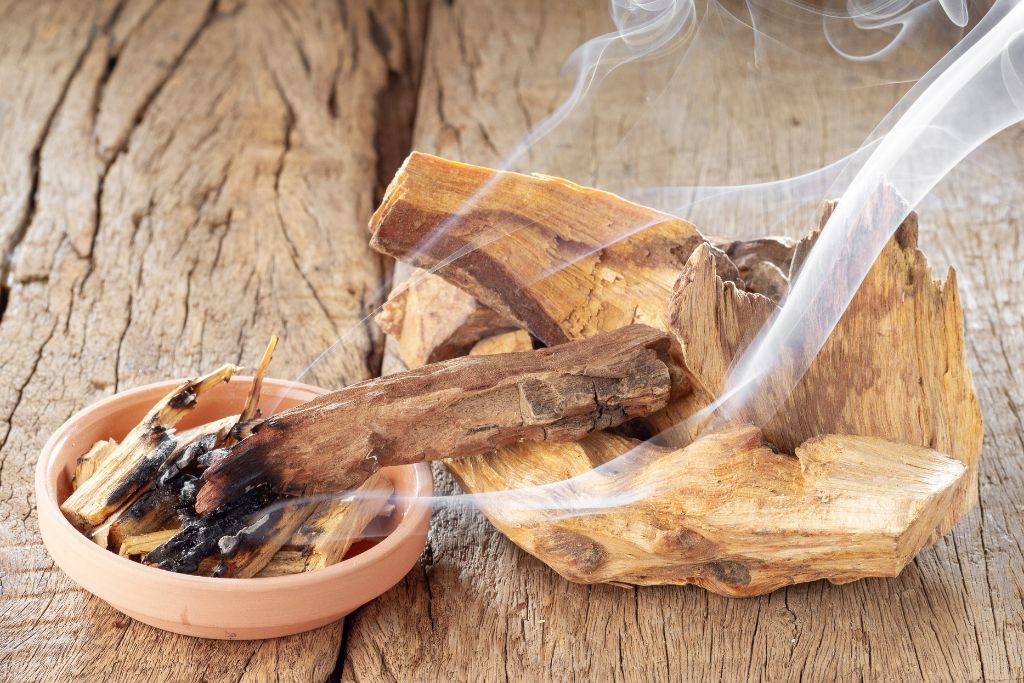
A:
135	546
198	539
445	330
459	408
763	264
712	319
137	458
726	512
245	553
91	461
283	563
894	366
508	342
337	524
562	261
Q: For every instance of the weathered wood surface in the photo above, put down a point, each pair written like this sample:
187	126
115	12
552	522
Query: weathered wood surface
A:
461	408
99	139
954	614
180	180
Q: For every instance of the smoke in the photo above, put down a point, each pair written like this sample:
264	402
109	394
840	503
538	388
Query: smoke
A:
657	76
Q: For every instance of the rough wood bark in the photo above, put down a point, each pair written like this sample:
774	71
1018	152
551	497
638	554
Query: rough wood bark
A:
952	614
456	409
163	202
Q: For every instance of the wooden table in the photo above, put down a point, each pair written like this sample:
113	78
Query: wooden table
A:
182	179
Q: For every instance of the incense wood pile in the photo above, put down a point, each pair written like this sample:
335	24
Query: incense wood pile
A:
871	457
136	497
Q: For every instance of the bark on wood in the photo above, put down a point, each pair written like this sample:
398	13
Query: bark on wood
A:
459	408
139	456
424	334
541	251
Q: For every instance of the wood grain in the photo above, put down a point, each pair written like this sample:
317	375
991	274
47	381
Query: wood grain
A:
956	611
180	180
92	309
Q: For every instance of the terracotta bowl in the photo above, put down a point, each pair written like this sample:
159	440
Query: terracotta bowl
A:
221	608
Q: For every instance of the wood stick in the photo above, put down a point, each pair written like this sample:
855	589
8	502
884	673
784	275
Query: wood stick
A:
283	563
137	458
252	401
91	461
459	408
336	525
563	261
144	543
246	552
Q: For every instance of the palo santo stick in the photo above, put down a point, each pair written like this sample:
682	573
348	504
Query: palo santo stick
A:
338	524
252	401
248	551
563	261
91	461
137	458
283	563
142	544
156	507
458	408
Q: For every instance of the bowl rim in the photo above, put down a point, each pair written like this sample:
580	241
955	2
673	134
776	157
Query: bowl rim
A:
419	507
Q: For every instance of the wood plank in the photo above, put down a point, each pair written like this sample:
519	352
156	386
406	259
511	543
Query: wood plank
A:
954	614
181	180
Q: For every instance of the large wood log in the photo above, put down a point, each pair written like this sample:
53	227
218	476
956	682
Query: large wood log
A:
459	408
727	512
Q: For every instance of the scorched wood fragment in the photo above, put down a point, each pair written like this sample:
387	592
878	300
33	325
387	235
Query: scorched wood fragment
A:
135	461
458	408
